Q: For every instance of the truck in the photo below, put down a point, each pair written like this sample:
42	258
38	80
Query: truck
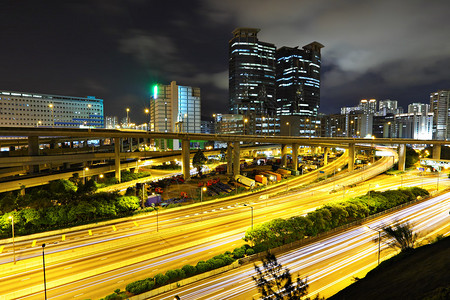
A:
154	199
261	178
245	181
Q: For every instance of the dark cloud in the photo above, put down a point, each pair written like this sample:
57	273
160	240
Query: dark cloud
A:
117	49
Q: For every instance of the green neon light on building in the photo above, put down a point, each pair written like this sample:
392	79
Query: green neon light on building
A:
155	91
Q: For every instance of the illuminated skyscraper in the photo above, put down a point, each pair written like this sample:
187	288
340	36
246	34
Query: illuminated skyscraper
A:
440	106
175	108
251	75
298	85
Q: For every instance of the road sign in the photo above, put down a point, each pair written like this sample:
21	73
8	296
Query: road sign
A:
322	172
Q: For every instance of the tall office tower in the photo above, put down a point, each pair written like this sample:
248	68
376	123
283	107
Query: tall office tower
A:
19	109
175	108
439	102
368	106
251	76
298	84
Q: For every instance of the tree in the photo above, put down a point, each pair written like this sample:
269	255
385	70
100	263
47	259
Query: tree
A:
400	235
275	282
198	161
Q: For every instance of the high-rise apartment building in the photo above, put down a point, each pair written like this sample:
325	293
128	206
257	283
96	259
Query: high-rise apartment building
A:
298	84
175	108
388	106
368	106
439	102
418	108
251	74
20	109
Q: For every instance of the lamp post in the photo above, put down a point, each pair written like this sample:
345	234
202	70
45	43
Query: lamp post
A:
84	174
289	128
38	123
43	265
89	116
128	120
437	183
245	122
156	209
53	118
147	112
203	189
252	211
262	125
379	242
11	217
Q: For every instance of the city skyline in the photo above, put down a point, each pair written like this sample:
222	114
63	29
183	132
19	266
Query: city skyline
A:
117	50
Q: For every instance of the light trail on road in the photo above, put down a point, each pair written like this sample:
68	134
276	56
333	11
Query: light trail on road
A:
328	264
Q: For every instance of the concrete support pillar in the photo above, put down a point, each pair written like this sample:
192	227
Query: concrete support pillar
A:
436	151
71	144
284	153
130	144
372	154
325	155
295	156
401	157
229	158
351	156
185	159
33	150
117	144
33	145
236	158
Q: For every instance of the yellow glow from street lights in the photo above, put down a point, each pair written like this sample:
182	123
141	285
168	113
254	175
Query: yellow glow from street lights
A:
204	188
147	110
101	175
245	120
86	169
50	105
128	109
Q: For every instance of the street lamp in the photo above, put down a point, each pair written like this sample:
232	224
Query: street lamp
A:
43	265
128	120
147	112
245	122
379	242
11	217
53	118
203	189
252	211
289	127
38	123
89	116
84	174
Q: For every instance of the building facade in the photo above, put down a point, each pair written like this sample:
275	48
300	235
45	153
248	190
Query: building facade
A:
111	122
20	109
251	76
439	103
298	86
175	108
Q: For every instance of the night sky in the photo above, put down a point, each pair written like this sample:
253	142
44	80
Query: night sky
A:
115	50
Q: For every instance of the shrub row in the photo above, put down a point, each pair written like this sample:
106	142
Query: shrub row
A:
61	205
218	261
279	232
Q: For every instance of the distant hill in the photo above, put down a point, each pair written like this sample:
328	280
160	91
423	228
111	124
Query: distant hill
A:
423	273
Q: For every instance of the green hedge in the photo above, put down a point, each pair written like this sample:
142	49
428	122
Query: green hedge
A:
218	261
279	232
